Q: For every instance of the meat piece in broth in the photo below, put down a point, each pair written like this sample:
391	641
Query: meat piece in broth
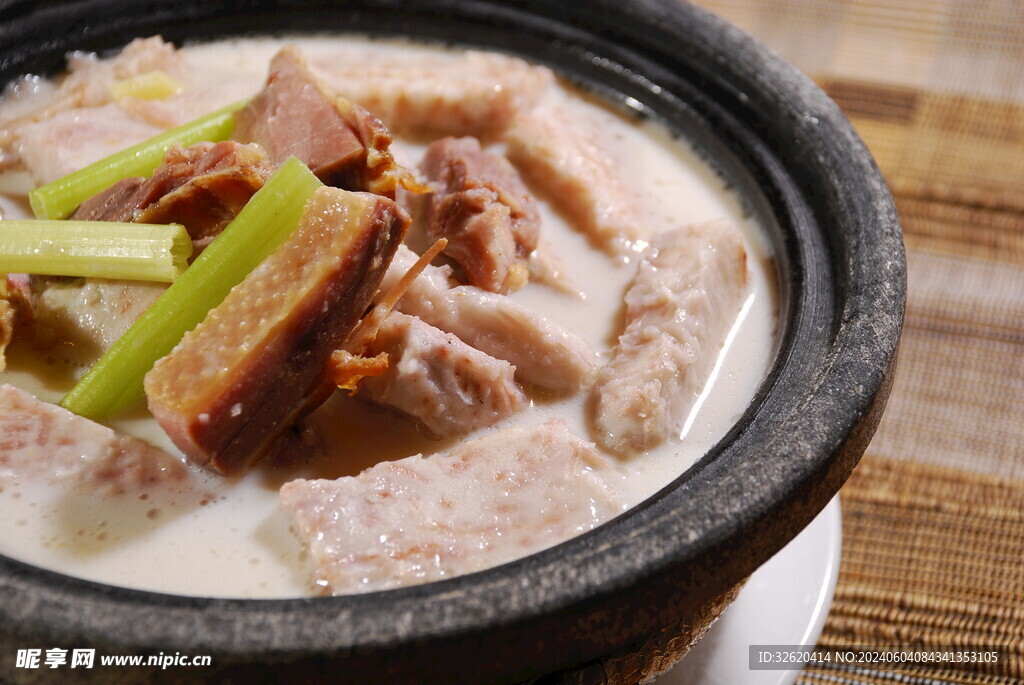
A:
78	123
15	309
91	80
482	207
434	377
206	91
202	187
487	502
8	318
78	319
546	268
688	291
469	93
544	353
116	203
256	358
296	114
73	139
561	150
44	442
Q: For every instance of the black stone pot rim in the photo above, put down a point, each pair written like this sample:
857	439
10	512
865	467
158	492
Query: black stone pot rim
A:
828	383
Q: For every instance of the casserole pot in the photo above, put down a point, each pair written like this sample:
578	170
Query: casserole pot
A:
624	601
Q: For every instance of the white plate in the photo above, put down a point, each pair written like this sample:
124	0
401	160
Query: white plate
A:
785	602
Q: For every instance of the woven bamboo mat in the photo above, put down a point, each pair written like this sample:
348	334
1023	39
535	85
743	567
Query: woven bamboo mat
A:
933	518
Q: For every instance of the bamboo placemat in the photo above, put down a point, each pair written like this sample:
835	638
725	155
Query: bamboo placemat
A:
933	518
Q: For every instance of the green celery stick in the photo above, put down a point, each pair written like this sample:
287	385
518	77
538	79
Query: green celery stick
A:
115	382
59	199
101	249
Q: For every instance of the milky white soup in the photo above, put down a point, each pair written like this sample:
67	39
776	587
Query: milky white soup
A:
228	537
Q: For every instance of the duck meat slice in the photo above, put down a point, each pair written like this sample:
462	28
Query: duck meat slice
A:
432	376
205	88
44	442
202	187
689	288
486	502
296	114
225	176
16	310
482	207
469	92
116	203
55	129
8	317
257	357
544	353
73	139
76	320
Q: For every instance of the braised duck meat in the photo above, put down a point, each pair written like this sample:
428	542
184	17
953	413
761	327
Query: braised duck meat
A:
296	114
15	309
482	207
8	318
202	187
254	360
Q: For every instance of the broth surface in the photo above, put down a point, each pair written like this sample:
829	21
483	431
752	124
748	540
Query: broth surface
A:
229	538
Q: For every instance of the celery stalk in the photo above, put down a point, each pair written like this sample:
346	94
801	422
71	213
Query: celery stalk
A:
59	199
115	381
102	249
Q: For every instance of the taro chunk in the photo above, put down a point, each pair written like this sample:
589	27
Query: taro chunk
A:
434	377
488	501
566	152
688	291
41	441
544	353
